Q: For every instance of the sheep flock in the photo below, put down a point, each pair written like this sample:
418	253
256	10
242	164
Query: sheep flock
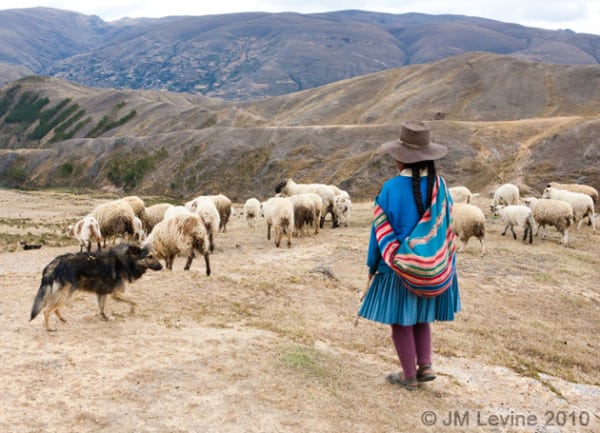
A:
297	210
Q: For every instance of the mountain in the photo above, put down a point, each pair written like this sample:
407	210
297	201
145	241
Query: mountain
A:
245	56
503	118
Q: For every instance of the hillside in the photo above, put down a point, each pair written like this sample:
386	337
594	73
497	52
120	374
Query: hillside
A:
245	56
504	119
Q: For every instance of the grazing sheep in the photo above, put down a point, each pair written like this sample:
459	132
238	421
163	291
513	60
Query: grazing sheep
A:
137	204
582	204
115	219
506	194
551	212
154	214
467	220
279	213
343	208
577	187
223	204
461	194
327	193
337	191
86	231
207	209
516	215
180	233
307	211
251	211
139	234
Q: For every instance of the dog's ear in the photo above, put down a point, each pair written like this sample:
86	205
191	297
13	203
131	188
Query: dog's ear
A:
134	250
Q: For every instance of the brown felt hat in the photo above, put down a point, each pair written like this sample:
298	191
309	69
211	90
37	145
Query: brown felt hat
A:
414	144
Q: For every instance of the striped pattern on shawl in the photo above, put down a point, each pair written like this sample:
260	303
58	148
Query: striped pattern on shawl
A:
424	259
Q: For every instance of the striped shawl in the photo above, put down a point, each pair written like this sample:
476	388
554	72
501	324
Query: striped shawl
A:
425	259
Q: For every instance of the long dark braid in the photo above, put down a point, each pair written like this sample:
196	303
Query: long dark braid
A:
416	184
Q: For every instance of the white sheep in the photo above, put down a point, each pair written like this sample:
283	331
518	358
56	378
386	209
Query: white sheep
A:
224	206
516	215
154	214
577	187
279	213
307	211
138	206
327	193
342	208
180	233
467	220
86	231
251	211
207	209
115	219
506	194
139	234
338	191
550	212
582	204
461	194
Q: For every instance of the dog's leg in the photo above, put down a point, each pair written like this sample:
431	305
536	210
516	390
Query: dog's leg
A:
60	317
101	304
47	321
120	296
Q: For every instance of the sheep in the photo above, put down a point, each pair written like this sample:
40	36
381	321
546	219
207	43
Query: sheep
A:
307	211
327	193
223	204
516	215
209	213
137	204
251	211
154	214
115	219
506	194
551	212
86	231
343	208
279	212
582	204
139	234
467	220
339	192
180	233
461	194
577	187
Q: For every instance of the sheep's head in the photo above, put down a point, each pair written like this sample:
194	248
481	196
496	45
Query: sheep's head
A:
547	192
282	184
496	209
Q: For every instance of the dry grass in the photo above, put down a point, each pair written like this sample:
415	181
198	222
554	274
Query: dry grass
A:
266	343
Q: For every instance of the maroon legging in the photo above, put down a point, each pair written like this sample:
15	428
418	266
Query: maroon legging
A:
413	345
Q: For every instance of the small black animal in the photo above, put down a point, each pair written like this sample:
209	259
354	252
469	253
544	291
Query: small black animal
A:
102	272
27	246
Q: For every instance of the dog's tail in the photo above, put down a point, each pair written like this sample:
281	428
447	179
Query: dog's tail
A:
43	291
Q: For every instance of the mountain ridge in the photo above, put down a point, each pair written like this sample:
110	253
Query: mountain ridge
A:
253	55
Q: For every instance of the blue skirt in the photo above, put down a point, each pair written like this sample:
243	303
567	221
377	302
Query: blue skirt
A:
388	302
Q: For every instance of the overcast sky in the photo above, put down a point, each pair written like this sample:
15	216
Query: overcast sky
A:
577	15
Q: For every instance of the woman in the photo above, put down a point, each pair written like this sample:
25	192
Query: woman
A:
403	200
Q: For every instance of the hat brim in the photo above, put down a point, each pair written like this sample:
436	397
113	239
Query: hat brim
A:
409	155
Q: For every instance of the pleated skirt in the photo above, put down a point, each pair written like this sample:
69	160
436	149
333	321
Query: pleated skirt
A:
388	302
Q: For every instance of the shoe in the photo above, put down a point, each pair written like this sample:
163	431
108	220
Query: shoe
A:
425	373
398	379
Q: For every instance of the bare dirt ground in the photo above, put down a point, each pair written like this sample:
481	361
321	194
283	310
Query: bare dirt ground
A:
267	342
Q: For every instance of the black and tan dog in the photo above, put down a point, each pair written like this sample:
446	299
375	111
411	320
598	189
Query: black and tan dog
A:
103	272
